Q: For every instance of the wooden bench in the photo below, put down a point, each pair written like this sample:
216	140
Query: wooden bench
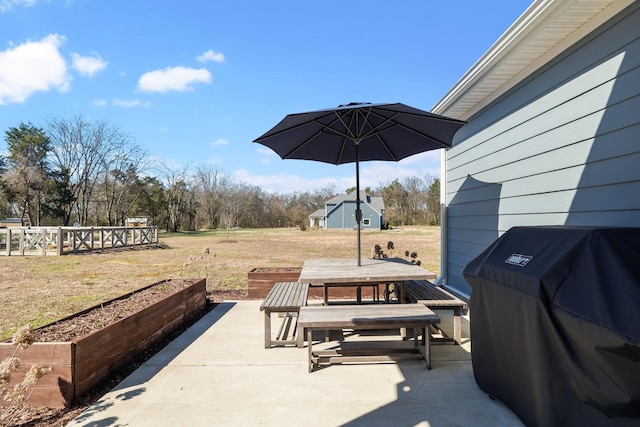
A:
284	297
434	297
367	317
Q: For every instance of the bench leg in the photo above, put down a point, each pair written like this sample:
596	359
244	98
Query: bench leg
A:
300	334
267	329
457	325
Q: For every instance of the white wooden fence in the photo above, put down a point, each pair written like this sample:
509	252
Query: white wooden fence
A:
65	240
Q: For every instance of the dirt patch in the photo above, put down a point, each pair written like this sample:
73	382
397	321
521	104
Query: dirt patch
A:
80	325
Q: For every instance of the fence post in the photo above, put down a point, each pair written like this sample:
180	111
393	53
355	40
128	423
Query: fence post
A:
59	241
21	246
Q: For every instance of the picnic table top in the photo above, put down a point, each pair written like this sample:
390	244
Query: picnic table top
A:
340	270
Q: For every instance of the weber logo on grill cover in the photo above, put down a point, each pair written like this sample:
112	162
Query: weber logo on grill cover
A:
519	260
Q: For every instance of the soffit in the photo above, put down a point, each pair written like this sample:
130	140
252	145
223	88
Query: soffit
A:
543	31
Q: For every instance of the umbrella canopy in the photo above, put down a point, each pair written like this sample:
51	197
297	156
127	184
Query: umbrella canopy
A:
360	131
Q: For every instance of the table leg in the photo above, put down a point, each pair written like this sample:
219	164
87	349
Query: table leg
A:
309	348
326	294
427	346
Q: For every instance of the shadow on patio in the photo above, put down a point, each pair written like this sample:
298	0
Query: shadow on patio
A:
218	373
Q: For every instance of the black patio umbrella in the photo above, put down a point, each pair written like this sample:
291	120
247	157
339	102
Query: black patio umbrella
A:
360	131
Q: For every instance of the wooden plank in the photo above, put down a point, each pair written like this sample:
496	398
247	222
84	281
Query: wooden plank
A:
366	316
101	352
424	290
321	271
286	296
55	389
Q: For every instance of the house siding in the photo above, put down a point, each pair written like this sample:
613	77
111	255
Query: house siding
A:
560	148
344	216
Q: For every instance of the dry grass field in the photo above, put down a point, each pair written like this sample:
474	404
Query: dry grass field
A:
39	290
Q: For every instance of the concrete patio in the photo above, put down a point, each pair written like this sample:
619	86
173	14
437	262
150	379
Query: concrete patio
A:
219	373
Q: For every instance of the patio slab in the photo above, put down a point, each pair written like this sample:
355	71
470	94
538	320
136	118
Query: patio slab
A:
219	373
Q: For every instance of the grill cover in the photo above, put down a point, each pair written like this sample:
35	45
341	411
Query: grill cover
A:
556	324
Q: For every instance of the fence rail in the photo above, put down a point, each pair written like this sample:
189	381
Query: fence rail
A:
65	240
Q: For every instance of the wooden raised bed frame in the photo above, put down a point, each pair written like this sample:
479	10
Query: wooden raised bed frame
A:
79	365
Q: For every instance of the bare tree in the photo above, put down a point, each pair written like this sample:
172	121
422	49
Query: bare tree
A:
118	181
395	201
177	193
433	199
84	149
415	189
212	184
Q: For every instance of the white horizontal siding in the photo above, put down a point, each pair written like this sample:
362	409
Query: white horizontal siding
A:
562	148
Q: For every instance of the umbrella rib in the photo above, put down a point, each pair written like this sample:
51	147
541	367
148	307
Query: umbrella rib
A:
387	119
348	134
424	135
386	147
375	129
301	146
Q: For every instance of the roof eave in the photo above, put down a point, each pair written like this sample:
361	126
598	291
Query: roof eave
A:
542	32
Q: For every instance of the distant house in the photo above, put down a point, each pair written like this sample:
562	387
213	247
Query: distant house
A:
13	222
340	212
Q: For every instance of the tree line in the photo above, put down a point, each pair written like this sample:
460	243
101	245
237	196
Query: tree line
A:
93	174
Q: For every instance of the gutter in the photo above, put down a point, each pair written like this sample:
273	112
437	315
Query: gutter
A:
441	280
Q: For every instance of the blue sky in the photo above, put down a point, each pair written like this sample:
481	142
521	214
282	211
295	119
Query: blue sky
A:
195	82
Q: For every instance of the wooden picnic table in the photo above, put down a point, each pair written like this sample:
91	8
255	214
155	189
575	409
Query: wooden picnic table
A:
367	317
346	272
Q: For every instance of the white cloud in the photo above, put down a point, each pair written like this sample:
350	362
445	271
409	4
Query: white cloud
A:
431	157
173	78
7	5
265	151
219	142
372	174
33	67
130	103
211	56
286	183
267	155
88	65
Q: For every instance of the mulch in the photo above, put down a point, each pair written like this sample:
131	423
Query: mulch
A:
32	416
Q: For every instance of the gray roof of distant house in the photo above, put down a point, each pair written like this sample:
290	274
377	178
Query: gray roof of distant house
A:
375	202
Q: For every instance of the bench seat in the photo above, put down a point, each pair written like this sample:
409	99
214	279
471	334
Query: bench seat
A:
367	317
284	297
435	297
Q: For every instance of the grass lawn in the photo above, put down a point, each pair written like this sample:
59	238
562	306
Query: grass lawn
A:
39	290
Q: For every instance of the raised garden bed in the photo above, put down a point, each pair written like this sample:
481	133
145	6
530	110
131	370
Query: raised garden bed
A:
261	280
91	350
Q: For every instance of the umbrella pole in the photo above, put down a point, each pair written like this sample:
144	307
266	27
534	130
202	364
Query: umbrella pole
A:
358	211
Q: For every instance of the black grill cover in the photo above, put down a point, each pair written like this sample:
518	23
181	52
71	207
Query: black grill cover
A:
555	324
